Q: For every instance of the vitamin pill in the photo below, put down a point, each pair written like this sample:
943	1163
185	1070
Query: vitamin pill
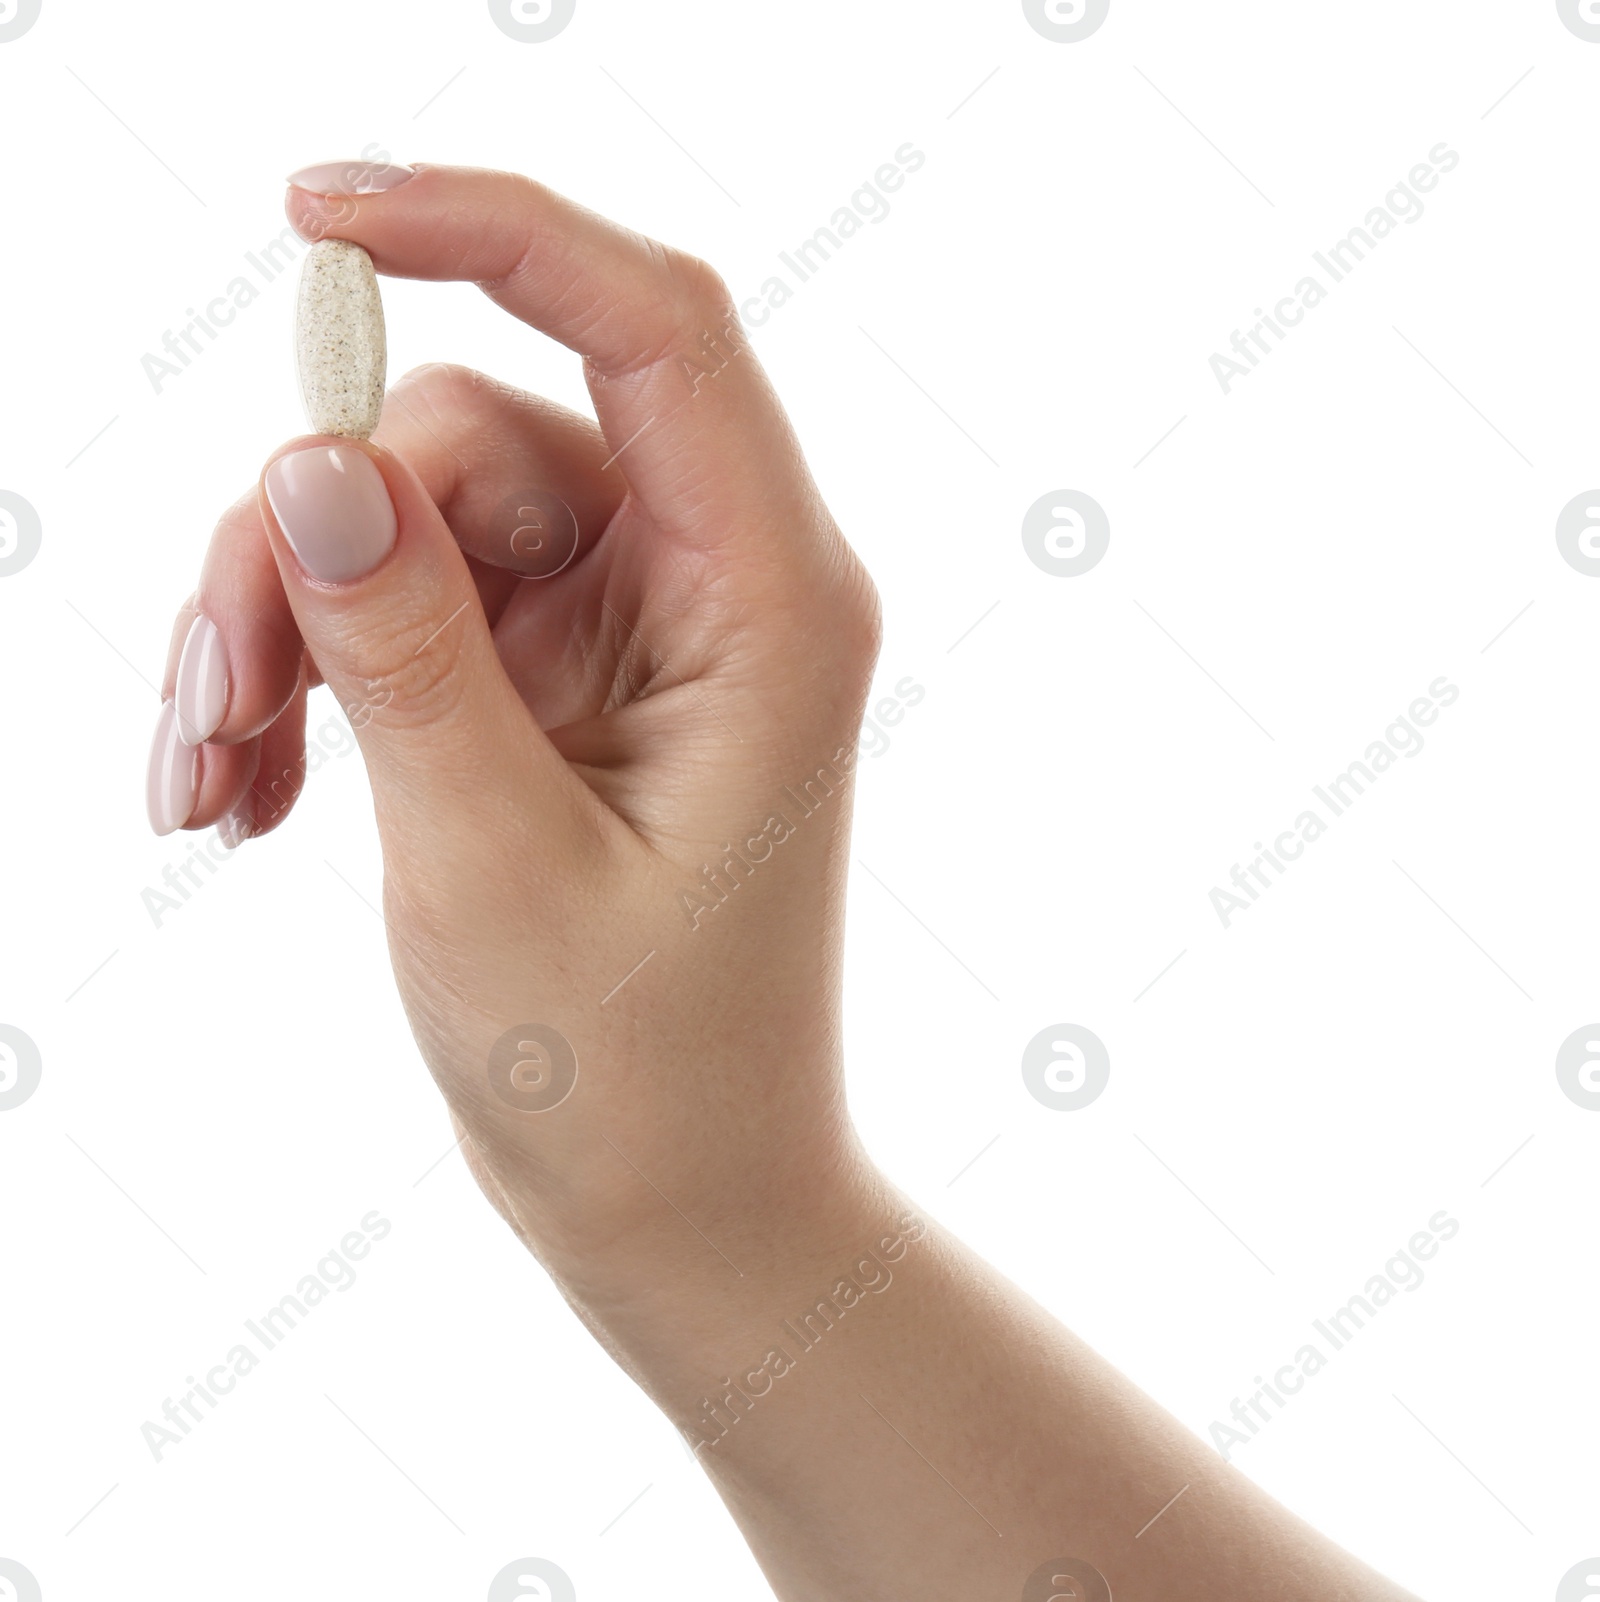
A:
340	349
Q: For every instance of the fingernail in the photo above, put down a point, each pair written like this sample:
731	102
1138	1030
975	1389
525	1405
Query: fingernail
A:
174	775
334	510
201	694
351	177
235	829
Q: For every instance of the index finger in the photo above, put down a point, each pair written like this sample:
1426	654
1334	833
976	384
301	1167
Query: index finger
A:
689	415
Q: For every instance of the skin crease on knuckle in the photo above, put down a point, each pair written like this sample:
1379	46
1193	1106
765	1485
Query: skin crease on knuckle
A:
412	690
691	301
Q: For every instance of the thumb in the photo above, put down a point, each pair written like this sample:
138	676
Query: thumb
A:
390	614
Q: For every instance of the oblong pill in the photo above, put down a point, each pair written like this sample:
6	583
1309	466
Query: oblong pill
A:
340	350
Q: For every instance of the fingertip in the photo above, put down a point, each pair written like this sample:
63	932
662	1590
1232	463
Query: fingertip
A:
234	654
223	775
315	216
200	694
280	771
321	200
172	778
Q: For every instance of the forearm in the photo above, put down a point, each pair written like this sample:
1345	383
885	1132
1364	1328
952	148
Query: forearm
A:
887	1417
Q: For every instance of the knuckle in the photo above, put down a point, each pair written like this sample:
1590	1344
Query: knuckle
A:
677	302
695	304
241	518
847	603
699	286
406	681
452	400
441	387
861	621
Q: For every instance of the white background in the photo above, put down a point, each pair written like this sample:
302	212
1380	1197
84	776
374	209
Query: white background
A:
227	1094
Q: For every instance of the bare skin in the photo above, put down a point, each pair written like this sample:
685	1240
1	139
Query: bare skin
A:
645	758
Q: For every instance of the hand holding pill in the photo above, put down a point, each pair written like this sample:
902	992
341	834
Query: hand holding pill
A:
607	675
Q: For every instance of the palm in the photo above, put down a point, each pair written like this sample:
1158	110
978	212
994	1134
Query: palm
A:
610	654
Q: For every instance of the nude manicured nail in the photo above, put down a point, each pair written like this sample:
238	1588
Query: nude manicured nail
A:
235	829
351	177
173	781
201	695
334	510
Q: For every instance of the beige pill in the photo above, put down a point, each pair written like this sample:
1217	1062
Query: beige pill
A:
340	349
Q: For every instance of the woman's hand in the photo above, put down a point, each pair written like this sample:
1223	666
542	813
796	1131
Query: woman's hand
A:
608	681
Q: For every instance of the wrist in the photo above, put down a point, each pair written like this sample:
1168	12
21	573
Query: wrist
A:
694	1293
